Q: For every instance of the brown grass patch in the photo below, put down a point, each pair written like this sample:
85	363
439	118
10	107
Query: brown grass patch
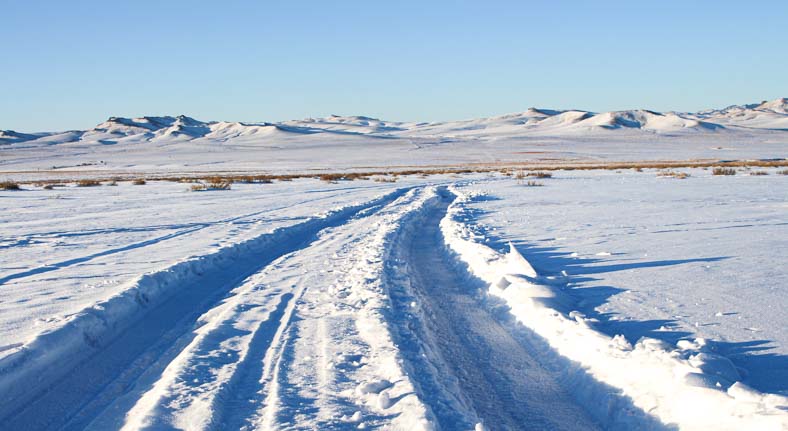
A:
673	174
723	171
9	185
88	183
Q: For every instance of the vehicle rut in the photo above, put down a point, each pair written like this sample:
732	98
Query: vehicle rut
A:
494	370
152	339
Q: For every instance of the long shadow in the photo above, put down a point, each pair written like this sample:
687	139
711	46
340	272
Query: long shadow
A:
764	371
600	269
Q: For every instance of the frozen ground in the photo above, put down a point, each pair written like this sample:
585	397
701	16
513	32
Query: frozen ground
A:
626	301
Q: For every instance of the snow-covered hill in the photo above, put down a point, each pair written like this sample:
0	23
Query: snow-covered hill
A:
343	142
766	115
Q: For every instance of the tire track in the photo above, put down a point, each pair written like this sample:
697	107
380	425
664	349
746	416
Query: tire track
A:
491	370
70	398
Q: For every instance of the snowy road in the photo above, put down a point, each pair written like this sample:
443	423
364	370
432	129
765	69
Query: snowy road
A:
388	313
495	371
73	400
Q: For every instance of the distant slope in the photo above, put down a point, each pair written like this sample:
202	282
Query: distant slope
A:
181	142
766	115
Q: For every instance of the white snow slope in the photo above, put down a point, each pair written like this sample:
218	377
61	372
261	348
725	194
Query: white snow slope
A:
308	305
183	144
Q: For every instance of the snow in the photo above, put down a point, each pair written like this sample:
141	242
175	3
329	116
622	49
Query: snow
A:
601	300
168	145
690	383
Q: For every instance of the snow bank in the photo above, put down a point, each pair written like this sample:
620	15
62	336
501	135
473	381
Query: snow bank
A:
684	385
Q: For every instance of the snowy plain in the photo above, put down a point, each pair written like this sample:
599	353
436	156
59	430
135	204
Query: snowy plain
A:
600	299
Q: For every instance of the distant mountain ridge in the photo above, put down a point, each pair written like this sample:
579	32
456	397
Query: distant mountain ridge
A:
767	115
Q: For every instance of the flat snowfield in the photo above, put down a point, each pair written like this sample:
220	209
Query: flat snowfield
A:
584	300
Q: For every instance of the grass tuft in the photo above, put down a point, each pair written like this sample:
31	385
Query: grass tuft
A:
9	185
673	174
215	183
723	171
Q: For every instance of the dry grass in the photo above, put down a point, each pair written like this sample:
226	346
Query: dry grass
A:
332	178
253	179
673	174
9	185
758	173
518	169
219	184
214	183
139	182
532	183
783	172
540	174
723	171
88	183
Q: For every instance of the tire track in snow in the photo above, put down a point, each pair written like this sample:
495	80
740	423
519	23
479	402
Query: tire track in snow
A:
305	381
495	372
267	356
110	369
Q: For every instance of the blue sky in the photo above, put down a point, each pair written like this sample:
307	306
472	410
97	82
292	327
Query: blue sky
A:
72	64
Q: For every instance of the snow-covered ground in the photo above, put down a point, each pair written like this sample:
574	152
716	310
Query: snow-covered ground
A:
662	257
627	300
598	300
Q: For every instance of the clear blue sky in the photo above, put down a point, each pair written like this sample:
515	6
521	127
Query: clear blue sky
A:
72	64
